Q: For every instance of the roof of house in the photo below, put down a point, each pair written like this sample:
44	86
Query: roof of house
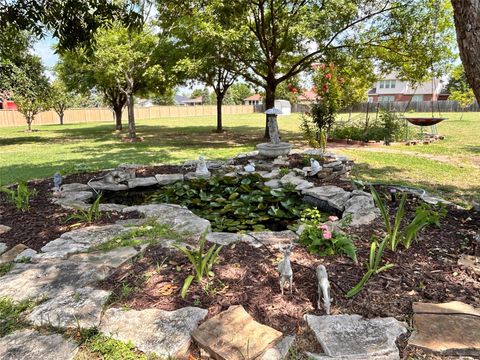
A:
307	95
253	97
197	100
179	99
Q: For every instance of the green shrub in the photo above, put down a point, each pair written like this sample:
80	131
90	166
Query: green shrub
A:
87	216
111	349
11	315
202	263
20	197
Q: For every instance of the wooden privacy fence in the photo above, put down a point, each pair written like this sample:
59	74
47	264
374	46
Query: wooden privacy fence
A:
73	116
400	106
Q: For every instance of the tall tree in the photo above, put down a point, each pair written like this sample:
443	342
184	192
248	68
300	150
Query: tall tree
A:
467	18
60	99
276	39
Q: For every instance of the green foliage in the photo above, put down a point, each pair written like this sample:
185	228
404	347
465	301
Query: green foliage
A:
20	197
87	216
373	265
392	125
320	240
201	261
5	268
111	349
424	216
11	315
235	204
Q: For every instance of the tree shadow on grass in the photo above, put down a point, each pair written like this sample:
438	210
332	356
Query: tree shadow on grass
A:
472	149
390	175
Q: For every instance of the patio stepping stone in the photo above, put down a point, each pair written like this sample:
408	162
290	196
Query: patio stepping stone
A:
78	241
165	333
451	328
353	337
11	254
82	307
32	345
179	218
235	335
49	278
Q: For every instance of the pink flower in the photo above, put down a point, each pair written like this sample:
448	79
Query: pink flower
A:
328	76
332	218
327	235
323	227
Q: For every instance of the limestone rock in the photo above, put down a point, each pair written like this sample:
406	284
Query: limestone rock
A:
74	187
304	185
82	307
78	241
32	345
4	229
147	181
166	333
165	179
274	174
447	329
73	196
180	219
469	261
3	248
361	209
274	184
112	207
234	335
224	238
332	196
291	179
279	351
332	164
49	278
194	175
275	239
110	186
351	336
25	255
11	254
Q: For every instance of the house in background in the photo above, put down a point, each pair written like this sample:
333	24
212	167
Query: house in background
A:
253	100
6	103
307	96
390	89
185	101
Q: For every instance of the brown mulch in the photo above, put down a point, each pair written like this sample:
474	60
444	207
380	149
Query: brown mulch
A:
427	272
45	221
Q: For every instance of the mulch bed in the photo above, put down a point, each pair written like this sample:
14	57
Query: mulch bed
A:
45	221
427	272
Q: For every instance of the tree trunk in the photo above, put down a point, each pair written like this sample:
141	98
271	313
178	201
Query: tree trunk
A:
117	109
269	103
29	122
61	117
132	133
467	20
219	112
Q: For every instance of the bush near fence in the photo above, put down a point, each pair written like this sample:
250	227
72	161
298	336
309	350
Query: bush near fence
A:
72	116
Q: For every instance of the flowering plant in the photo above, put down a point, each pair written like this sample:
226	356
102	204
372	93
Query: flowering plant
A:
321	239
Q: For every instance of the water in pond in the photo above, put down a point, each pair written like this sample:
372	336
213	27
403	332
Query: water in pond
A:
231	204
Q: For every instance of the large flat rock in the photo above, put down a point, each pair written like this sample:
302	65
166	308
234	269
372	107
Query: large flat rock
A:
224	238
274	239
447	329
3	248
32	345
82	307
180	219
146	181
165	333
11	254
235	335
353	337
165	179
332	196
49	278
361	209
79	241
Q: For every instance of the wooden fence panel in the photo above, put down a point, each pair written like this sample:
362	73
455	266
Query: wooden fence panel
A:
88	115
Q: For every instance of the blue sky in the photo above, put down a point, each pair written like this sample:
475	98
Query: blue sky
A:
43	48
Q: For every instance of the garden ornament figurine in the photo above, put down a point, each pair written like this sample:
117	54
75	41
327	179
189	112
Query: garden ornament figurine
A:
323	288
285	269
250	167
315	167
202	170
57	181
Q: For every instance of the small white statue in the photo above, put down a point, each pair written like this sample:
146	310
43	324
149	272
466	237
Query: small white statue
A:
285	269
315	167
250	167
57	181
323	288
202	169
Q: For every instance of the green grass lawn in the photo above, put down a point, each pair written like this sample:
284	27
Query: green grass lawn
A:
450	167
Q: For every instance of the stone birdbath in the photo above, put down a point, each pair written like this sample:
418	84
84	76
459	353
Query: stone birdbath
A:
275	147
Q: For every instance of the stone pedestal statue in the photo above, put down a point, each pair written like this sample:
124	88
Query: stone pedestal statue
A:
202	169
275	147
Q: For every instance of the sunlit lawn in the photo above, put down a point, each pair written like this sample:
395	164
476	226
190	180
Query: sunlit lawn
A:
450	167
